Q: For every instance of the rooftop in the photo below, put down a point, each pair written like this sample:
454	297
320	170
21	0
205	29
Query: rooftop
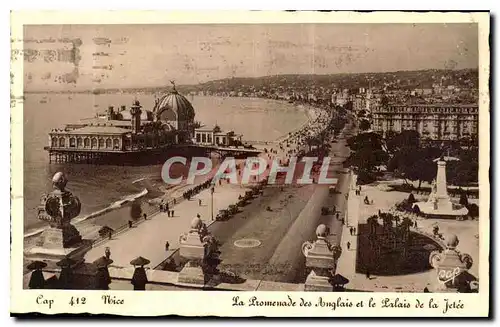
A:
100	130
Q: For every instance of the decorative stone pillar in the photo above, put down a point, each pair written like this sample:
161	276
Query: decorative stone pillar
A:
139	279
66	275
102	277
196	247
60	239
451	268
37	281
322	258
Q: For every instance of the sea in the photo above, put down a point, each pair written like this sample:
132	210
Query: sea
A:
99	186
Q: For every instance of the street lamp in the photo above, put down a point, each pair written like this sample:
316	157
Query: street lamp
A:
212	190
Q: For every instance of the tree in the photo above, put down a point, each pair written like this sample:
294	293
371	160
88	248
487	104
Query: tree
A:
413	163
463	172
367	158
135	210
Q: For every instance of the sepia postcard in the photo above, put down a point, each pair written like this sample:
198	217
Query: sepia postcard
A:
290	164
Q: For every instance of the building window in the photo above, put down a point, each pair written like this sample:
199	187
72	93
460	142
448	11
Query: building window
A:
101	143
94	142
108	143
62	142
72	142
54	142
116	144
86	142
198	138
79	142
203	138
209	138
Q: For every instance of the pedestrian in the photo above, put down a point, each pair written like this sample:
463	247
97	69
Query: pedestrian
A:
168	213
145	216
416	226
172	213
161	207
350	230
337	215
343	221
199	202
354	231
175	202
367	274
167	246
130	224
348	245
165	207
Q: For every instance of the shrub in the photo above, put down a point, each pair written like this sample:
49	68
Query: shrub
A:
404	205
365	177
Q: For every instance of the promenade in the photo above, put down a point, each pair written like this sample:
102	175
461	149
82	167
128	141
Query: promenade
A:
346	265
148	238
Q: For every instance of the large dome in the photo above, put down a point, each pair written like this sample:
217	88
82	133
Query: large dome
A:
174	106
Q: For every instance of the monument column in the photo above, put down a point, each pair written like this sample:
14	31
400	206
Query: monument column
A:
441	189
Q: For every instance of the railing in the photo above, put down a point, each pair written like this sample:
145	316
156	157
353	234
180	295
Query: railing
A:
125	227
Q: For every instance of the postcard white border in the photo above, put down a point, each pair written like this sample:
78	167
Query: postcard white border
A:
198	303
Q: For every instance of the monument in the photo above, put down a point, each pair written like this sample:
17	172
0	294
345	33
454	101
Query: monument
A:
322	258
196	246
61	239
439	203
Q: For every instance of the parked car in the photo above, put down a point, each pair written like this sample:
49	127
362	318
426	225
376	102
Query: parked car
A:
222	215
233	209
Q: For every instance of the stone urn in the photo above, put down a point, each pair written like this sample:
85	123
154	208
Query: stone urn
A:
451	267
321	257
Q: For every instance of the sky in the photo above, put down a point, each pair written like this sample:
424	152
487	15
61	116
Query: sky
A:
152	55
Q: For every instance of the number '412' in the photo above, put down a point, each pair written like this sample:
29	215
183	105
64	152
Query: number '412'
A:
77	300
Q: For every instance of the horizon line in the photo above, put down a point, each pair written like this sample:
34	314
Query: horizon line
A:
242	77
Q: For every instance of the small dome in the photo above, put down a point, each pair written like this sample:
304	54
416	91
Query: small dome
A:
321	230
174	106
451	241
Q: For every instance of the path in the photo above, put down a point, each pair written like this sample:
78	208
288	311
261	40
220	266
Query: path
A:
148	239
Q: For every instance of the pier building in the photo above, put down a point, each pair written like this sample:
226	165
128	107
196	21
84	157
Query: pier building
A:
215	136
122	131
